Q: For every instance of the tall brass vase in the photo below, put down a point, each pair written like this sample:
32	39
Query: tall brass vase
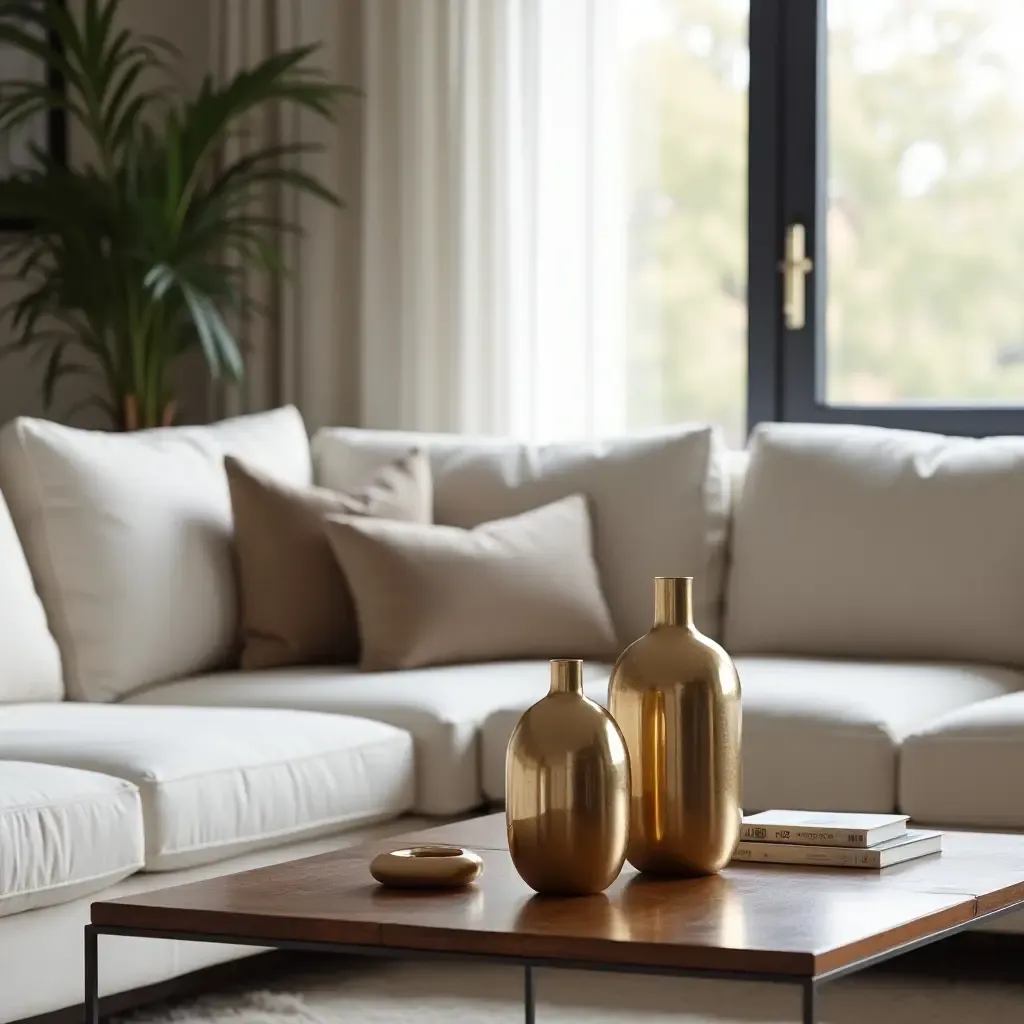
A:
676	697
567	791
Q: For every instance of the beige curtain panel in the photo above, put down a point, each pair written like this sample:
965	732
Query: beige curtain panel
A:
306	350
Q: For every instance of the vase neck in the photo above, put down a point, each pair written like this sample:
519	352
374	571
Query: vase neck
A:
673	601
567	676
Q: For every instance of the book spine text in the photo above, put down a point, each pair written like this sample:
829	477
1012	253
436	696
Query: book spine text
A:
809	836
826	856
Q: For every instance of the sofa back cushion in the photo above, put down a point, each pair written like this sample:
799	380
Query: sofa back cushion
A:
30	667
859	541
129	538
658	503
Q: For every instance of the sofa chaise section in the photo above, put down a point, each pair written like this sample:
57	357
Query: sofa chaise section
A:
215	783
41	951
64	833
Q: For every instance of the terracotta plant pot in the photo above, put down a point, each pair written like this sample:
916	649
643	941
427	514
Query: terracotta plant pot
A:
160	417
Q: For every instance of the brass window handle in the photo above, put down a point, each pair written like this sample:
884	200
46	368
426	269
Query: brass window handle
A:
795	267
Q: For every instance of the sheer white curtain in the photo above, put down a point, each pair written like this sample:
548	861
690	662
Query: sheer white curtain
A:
494	227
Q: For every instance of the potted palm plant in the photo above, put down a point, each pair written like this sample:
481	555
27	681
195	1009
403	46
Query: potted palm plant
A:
141	251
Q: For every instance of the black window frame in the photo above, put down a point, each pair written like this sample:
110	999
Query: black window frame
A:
56	132
787	184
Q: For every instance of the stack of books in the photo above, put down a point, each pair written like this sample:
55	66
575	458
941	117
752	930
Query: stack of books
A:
833	840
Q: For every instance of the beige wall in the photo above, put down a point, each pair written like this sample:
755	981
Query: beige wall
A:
186	23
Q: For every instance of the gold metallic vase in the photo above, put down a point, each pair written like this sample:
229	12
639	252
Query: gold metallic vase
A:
567	791
676	697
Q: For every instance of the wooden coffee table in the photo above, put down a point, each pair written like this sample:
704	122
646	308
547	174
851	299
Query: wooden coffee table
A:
754	922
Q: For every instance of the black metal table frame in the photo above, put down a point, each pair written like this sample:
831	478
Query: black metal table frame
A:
810	986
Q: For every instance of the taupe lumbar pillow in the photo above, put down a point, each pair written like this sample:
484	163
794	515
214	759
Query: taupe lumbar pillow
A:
522	587
296	606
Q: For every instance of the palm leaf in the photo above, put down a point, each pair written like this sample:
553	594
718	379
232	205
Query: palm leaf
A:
139	254
218	345
57	369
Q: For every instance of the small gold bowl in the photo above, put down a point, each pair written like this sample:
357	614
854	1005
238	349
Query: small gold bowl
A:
427	867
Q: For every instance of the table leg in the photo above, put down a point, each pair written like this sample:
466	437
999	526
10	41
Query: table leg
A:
92	981
810	1003
528	997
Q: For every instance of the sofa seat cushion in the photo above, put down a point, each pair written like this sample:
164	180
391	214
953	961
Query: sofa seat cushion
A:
64	833
215	782
129	538
659	502
819	734
443	709
826	735
966	767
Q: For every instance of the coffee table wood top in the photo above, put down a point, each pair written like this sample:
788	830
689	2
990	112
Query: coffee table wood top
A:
760	918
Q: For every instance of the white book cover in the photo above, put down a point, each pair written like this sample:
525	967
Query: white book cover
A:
822	828
908	847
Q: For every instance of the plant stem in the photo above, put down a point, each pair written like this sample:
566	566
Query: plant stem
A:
156	348
131	413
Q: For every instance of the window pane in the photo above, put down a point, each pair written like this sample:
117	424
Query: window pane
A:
687	67
926	202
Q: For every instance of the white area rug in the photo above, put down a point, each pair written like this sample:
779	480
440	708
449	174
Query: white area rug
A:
340	992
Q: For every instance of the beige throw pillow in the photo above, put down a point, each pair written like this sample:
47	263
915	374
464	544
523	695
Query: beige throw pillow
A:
296	607
522	587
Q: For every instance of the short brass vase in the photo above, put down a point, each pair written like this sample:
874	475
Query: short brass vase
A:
676	697
567	791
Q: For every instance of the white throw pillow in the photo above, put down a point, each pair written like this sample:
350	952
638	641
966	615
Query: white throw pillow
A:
864	542
29	660
129	538
658	502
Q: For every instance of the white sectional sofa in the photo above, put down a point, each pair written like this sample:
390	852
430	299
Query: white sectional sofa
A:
868	582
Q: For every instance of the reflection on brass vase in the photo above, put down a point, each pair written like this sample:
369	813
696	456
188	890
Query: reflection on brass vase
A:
676	697
567	791
662	908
